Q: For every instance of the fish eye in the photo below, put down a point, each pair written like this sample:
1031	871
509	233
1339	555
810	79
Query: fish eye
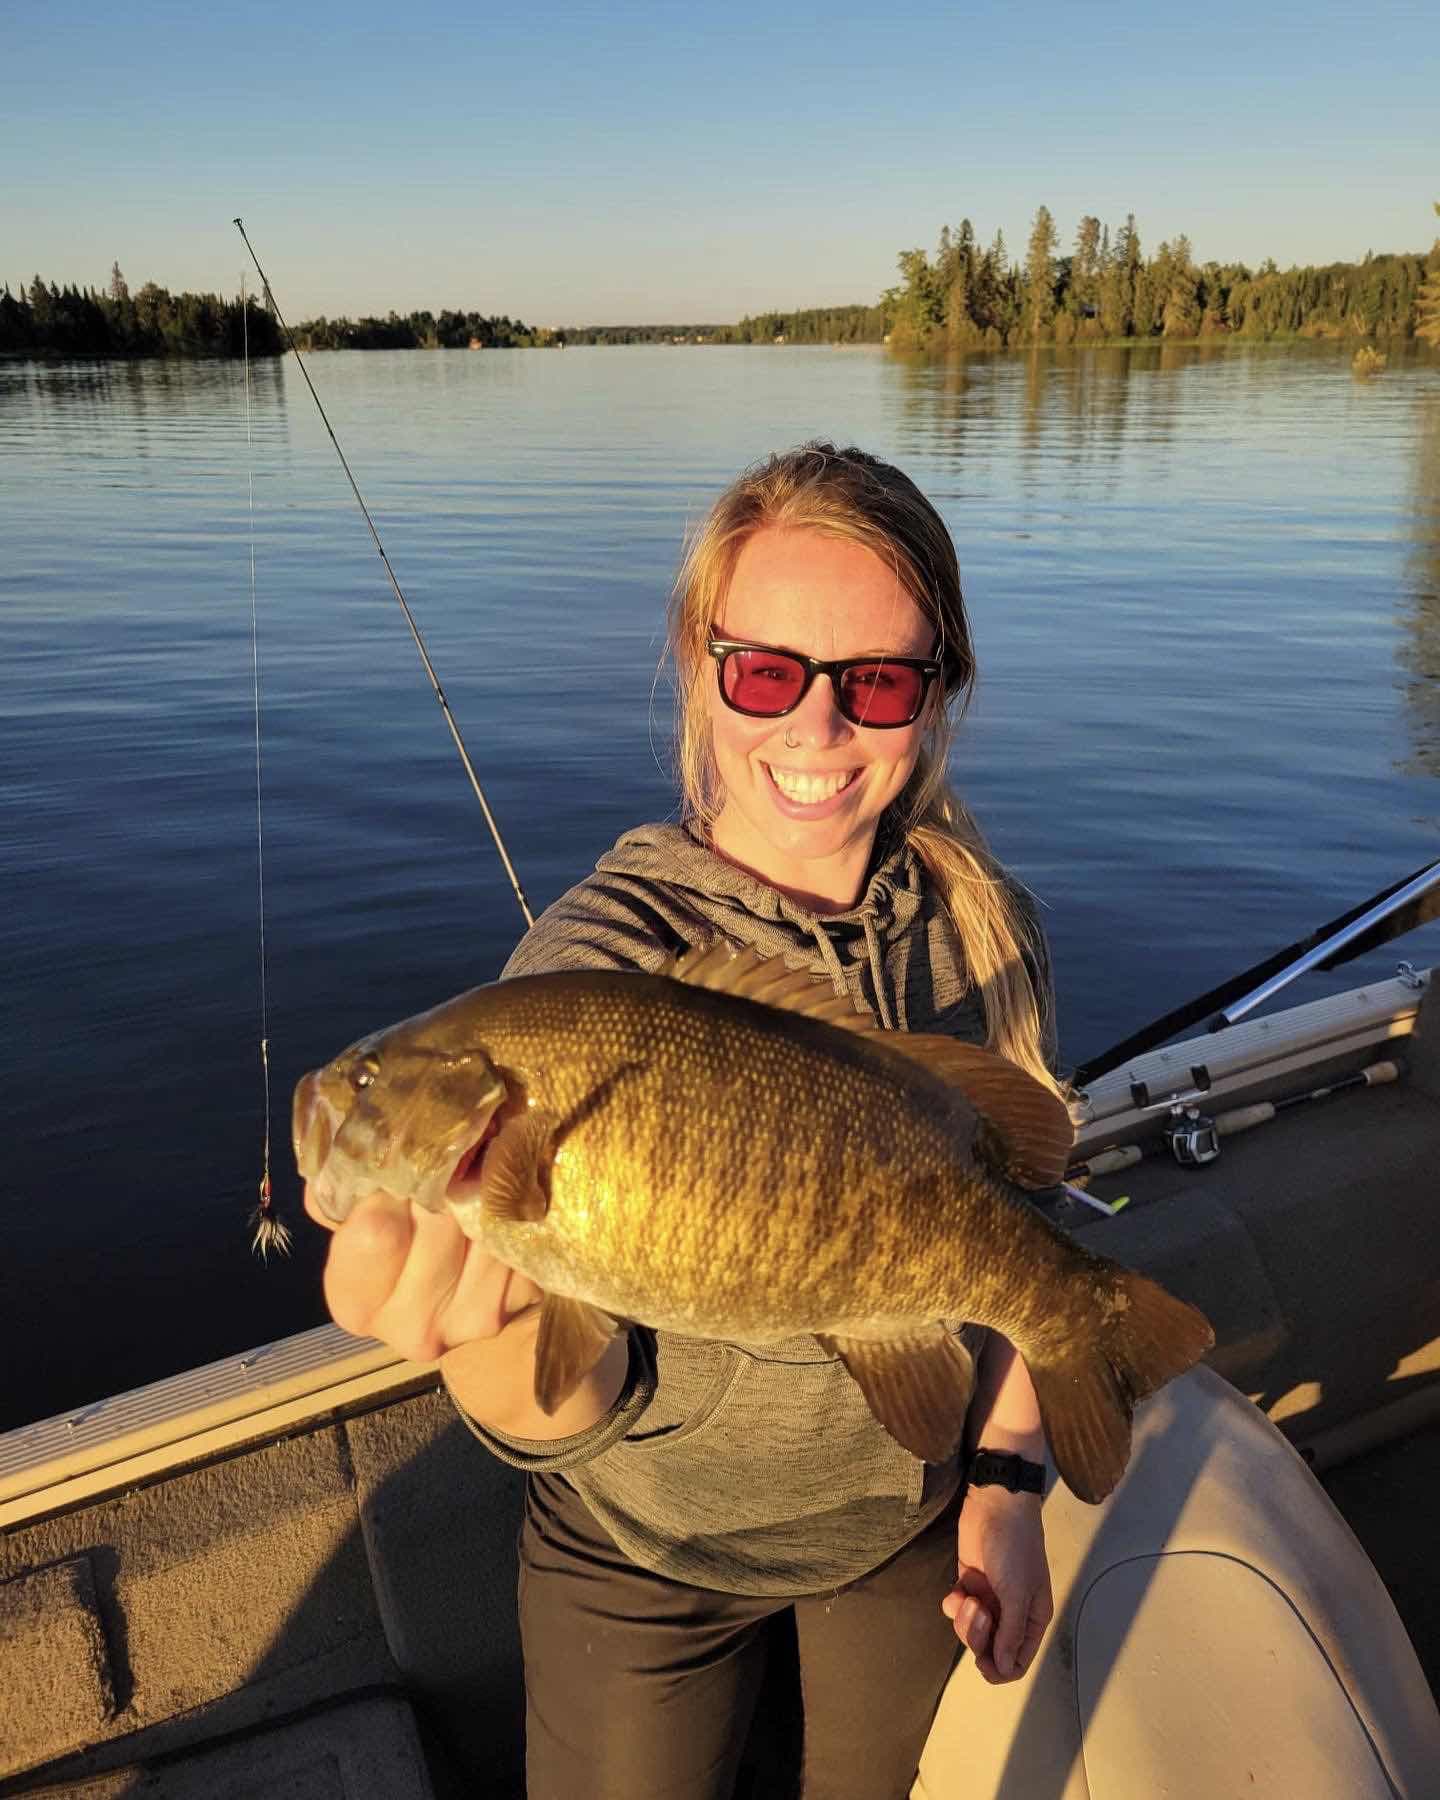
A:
365	1071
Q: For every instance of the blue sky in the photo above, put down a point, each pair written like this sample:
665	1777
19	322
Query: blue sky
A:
574	164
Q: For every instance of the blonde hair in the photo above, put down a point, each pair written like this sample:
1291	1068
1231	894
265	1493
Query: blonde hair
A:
850	494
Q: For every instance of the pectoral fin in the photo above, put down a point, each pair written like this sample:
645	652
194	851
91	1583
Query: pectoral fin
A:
572	1338
918	1387
515	1174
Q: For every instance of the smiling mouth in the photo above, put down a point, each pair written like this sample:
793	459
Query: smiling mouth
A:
806	789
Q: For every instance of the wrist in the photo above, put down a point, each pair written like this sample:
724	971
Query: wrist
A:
1026	1440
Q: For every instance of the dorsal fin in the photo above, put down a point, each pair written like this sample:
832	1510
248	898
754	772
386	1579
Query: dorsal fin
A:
1029	1134
767	979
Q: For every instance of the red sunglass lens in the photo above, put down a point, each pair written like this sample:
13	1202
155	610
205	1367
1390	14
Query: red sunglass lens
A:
881	693
762	681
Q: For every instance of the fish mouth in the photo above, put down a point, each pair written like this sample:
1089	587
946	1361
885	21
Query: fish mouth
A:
313	1127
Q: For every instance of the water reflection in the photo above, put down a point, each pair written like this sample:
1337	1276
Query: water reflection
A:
1184	567
1420	646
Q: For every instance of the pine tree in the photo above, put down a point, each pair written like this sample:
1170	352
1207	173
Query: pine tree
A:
919	306
119	287
1179	297
1115	290
955	269
1427	301
1083	297
1040	277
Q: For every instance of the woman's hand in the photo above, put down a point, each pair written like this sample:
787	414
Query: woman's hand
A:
1001	1604
413	1279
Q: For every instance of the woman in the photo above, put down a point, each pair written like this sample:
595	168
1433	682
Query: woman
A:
688	1492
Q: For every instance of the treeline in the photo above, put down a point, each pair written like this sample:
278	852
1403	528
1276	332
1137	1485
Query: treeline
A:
816	325
636	334
43	320
1105	289
965	296
447	330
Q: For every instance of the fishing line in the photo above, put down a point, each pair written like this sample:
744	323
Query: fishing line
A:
399	595
270	1234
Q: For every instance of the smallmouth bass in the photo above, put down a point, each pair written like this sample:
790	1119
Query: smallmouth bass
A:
731	1151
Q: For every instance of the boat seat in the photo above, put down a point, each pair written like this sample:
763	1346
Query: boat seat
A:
1219	1631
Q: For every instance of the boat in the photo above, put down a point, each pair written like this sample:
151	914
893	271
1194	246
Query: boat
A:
292	1572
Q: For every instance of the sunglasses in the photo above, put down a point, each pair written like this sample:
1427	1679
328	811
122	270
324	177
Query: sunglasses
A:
879	692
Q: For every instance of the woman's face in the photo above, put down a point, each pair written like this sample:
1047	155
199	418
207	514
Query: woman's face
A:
802	814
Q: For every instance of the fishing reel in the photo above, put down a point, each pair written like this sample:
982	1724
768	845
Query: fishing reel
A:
1192	1136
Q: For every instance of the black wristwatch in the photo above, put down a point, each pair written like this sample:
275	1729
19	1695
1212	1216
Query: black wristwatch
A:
1001	1468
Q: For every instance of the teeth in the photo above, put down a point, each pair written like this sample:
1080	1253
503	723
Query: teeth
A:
810	790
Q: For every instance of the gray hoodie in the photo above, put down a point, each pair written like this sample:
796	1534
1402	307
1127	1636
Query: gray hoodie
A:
756	1469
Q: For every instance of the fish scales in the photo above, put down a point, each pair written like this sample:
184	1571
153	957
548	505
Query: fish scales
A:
765	1159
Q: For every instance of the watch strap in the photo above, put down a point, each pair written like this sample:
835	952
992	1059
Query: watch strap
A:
1002	1468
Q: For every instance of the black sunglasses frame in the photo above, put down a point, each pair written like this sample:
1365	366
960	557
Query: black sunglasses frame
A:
925	667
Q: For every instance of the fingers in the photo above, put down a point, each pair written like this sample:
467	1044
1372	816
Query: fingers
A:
365	1261
1013	1619
972	1622
410	1318
414	1280
1002	1636
972	1608
1042	1611
390	1274
484	1298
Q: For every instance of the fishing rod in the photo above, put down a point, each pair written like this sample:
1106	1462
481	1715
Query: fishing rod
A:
269	1232
490	819
1405	904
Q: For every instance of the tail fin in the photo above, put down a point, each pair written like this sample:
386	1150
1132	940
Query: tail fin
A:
1144	1338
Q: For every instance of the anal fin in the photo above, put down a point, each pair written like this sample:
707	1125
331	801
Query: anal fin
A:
572	1338
918	1387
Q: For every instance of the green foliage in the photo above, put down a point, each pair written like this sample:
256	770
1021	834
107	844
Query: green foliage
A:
451	330
46	320
813	325
962	298
1427	299
1108	290
1040	278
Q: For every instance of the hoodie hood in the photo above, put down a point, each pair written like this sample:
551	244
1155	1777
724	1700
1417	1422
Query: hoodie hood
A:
860	950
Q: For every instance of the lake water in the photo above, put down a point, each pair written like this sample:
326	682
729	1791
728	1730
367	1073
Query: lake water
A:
1205	588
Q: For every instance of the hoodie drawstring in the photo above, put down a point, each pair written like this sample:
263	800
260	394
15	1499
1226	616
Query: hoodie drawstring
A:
829	957
877	971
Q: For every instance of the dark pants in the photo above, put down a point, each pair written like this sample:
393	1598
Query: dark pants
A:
641	1688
